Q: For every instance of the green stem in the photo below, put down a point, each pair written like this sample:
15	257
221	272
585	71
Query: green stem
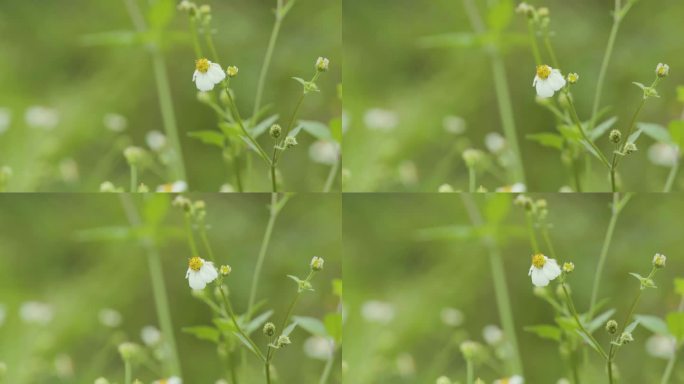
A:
267	61
325	376
549	48
530	229
231	315
191	236
195	38
672	175
617	18
470	372
274	210
332	175
236	115
616	208
578	122
571	306
673	359
547	240
472	179
134	178
503	301
533	40
503	95
128	372
205	241
158	286
210	43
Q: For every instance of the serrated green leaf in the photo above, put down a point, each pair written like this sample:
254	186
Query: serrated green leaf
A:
653	324
545	331
209	137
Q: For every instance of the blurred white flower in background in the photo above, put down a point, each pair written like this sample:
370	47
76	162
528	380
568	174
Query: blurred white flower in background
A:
115	122
110	317
170	380
150	335
5	119
64	366
155	140
68	169
375	311
3	314
380	119
345	121
566	189
227	188
563	380
406	365
662	347
454	124
34	312
324	152
41	117
492	334
318	347
517	379
514	188
452	317
662	154
408	173
175	187
494	142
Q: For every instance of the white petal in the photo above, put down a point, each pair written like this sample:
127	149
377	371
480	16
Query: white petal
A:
208	272
539	279
196	281
544	89
216	73
551	269
203	82
556	80
534	82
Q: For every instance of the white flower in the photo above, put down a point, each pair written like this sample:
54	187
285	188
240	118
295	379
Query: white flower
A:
41	117
64	366
454	124
452	317
406	365
150	335
516	379
155	140
492	334
543	270
115	122
547	81
170	380
318	347
200	272
34	312
660	346
324	152
380	119
377	311
175	187
662	154
227	188
514	188
110	317
494	142
5	119
207	74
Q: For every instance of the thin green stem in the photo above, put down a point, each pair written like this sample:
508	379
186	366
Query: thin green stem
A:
274	210
533	41
134	178
236	115
191	236
332	175
472	179
195	38
267	369
617	18
573	311
503	301
231	315
267	60
128	372
578	122
325	376
549	48
210	43
205	241
673	359
672	175
616	208
547	240
530	230
470	372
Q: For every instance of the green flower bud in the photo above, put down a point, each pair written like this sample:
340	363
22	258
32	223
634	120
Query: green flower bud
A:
659	260
283	341
130	351
269	329
322	64
573	78
232	71
204	97
134	155
615	136
630	148
473	157
443	380
101	380
568	267
275	131
316	263
611	327
662	70
626	338
290	142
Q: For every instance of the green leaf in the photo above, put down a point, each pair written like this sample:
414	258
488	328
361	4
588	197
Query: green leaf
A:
587	340
203	332
632	326
337	287
653	324
545	331
225	325
289	329
311	325
567	323
209	137
448	40
500	15
257	322
675	324
316	129
246	343
644	281
599	320
634	136
570	132
333	326
264	125
295	131
602	128
301	81
679	286
655	131
551	140
641	86
497	208
676	129
302	285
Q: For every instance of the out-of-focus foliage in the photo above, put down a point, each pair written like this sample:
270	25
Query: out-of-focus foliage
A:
57	257
414	293
83	60
430	66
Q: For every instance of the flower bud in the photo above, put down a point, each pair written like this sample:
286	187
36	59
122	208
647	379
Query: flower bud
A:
626	338
568	267
611	327
322	64
472	157
283	341
443	380
630	148
573	78
134	155
269	329
204	97
316	263
290	142
471	349
129	351
225	270
445	188
101	380
525	9
615	136
662	70
186	6
142	188
232	71
543	12
108	186
659	260
275	131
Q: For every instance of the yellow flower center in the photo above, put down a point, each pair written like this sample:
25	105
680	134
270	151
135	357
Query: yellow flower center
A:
195	263
538	260
543	71
202	65
505	381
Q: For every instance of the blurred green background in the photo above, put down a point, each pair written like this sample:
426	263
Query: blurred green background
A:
46	262
48	63
409	150
398	286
